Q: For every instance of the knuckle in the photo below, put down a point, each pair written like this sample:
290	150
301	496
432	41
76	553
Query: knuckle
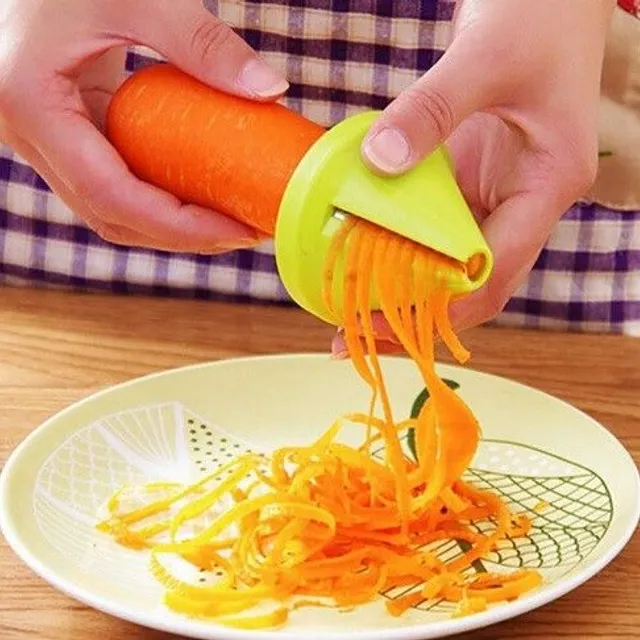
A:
432	106
573	166
577	161
585	169
579	170
210	37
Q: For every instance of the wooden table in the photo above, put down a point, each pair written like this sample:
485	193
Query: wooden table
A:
56	348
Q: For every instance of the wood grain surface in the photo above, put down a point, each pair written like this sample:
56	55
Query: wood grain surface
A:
56	348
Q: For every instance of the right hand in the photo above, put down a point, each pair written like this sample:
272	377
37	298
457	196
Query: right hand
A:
62	60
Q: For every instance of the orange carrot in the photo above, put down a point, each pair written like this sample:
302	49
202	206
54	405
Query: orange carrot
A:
206	147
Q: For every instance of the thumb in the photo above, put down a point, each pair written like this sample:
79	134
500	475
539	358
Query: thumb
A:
423	116
203	46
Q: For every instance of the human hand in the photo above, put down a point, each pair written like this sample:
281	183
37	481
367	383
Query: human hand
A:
61	61
516	97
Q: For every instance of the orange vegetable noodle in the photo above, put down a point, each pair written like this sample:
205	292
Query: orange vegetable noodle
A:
329	524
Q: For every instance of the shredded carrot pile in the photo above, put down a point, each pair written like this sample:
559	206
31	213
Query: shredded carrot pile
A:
331	524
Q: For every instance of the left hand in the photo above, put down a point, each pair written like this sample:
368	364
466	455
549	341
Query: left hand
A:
60	63
516	98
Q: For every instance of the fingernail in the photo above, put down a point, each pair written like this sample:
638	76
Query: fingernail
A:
388	149
258	78
239	243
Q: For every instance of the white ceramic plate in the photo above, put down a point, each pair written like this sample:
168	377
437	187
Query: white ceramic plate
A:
179	424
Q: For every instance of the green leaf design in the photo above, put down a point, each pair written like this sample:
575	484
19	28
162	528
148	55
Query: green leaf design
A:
418	403
423	396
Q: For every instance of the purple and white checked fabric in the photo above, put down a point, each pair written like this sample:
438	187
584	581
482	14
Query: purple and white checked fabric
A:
340	58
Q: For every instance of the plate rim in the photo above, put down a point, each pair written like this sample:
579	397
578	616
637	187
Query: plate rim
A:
207	630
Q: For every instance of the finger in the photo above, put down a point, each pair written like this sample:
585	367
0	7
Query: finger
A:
425	114
206	48
516	232
93	171
112	233
385	339
108	232
339	349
